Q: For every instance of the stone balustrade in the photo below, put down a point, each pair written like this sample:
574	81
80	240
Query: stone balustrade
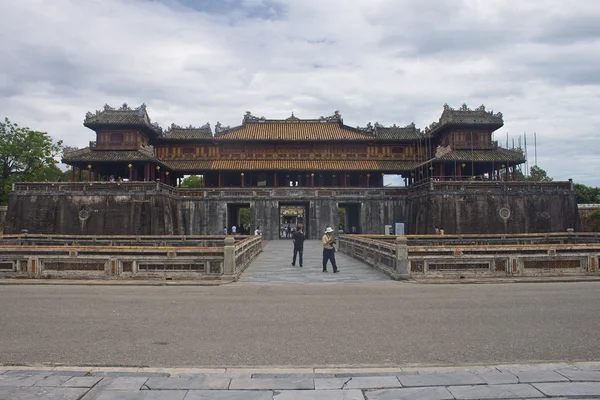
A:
400	260
114	257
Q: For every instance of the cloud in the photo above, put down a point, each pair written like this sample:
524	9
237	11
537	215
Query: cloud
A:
379	60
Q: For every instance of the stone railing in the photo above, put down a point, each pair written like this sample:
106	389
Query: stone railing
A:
114	257
238	192
400	261
465	184
494	239
238	256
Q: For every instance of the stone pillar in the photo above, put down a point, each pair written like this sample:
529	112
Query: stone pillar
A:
89	174
73	174
229	256
402	270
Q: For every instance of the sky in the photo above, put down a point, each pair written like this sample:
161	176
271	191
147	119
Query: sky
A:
386	61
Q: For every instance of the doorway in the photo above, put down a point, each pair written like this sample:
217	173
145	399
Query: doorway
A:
349	218
291	216
238	215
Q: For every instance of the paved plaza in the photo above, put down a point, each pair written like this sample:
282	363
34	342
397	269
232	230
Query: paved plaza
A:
483	382
273	265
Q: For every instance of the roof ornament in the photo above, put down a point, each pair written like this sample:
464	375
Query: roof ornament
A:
378	125
125	107
480	108
249	117
205	126
157	127
108	108
368	129
432	126
464	108
220	128
292	118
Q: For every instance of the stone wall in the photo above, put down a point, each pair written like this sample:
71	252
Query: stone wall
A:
494	207
585	214
3	210
155	209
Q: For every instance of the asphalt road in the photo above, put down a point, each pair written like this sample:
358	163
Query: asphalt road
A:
300	325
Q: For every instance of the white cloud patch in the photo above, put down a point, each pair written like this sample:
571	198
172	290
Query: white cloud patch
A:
377	60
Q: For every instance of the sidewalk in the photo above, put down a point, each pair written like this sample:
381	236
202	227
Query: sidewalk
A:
531	381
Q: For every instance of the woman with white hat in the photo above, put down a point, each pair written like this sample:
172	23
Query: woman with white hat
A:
328	250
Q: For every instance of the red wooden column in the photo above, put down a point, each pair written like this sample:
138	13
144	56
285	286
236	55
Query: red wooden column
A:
312	179
89	173
275	179
220	182
130	172
243	179
368	179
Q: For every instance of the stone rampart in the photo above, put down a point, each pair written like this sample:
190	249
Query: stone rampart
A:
146	208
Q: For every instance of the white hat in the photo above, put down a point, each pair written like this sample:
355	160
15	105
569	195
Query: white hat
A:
329	229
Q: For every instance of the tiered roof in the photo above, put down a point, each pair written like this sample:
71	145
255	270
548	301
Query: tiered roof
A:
408	132
176	132
123	116
292	129
465	116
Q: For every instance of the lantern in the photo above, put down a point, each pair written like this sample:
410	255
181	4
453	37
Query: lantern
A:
158	167
89	166
129	166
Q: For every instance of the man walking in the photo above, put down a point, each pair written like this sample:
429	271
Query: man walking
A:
328	250
298	239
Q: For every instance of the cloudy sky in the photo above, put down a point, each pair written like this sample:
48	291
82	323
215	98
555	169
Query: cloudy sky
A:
390	61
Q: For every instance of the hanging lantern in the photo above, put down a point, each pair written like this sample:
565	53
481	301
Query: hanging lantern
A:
463	165
242	174
312	174
158	167
167	173
89	166
129	166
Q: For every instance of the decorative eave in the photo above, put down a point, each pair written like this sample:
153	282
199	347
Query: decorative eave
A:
464	116
123	116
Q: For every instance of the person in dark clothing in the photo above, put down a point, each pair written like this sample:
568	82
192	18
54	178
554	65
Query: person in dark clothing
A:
298	239
288	231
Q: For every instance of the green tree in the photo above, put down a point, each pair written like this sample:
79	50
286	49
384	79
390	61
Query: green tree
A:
193	181
24	154
587	194
538	174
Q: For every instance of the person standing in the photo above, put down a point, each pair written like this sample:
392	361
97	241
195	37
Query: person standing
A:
328	250
298	239
225	230
288	231
233	230
257	231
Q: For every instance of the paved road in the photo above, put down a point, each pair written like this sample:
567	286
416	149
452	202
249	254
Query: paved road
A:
273	265
356	324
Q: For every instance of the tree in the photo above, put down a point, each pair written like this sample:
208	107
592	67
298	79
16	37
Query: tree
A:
193	181
586	194
538	174
24	155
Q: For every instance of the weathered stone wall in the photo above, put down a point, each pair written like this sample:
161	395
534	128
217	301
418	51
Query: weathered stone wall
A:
585	214
493	208
149	209
3	210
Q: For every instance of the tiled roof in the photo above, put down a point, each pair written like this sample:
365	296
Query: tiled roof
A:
465	116
179	133
293	165
409	132
121	116
293	130
88	155
497	155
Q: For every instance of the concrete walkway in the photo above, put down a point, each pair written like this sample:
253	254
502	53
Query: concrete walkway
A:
273	265
563	381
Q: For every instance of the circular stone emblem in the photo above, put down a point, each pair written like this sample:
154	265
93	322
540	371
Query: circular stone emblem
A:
504	213
84	214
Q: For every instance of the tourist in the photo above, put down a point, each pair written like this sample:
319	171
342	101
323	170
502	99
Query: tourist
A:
225	230
257	232
298	239
328	250
441	231
288	231
437	230
233	230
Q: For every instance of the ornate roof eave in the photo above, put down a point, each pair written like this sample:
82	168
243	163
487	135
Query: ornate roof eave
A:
93	120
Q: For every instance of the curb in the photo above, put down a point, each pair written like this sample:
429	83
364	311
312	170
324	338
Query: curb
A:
289	370
484	281
79	282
